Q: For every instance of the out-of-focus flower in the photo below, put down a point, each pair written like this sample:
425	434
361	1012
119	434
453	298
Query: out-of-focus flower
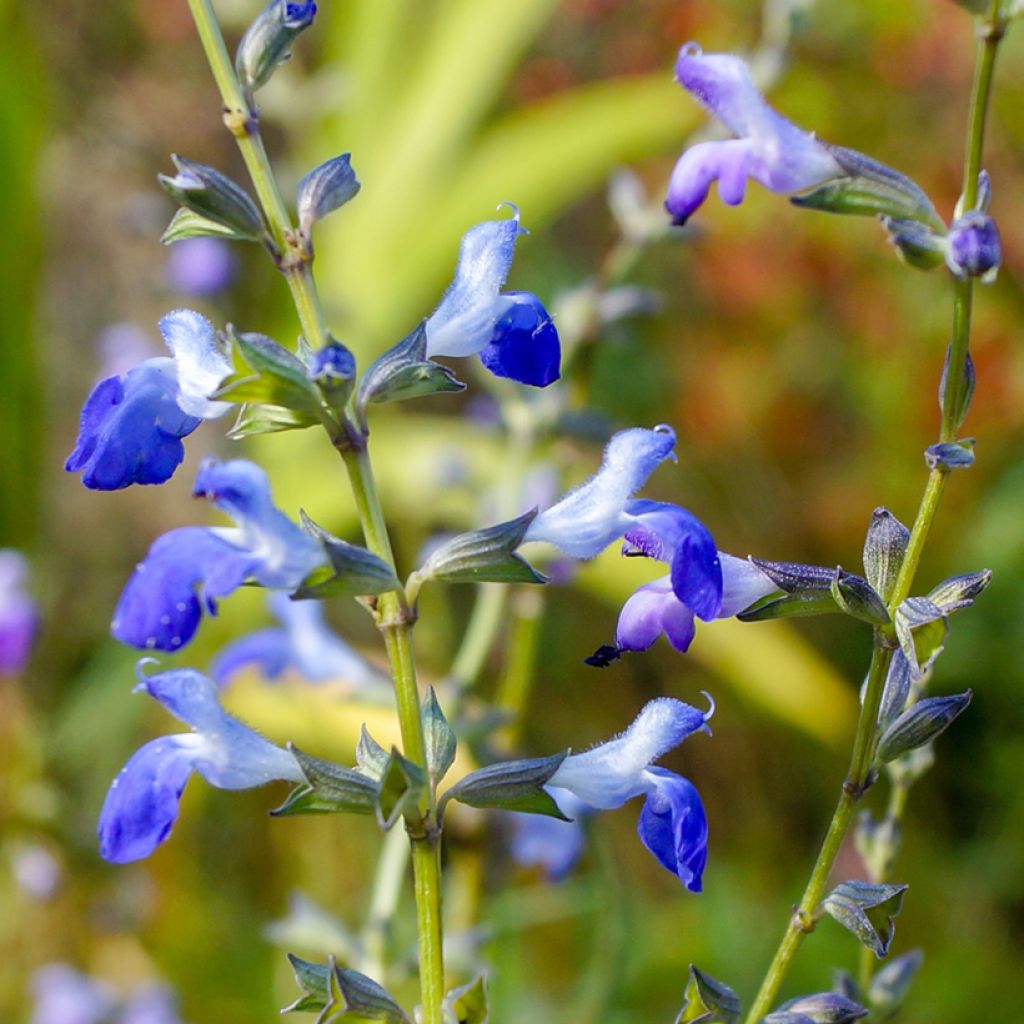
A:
510	331
200	266
19	617
551	843
672	823
66	996
160	607
767	147
36	871
142	804
305	643
132	425
655	608
121	347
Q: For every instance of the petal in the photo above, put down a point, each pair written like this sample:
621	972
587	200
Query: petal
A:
464	319
589	518
721	83
159	607
742	584
609	774
201	360
142	804
267	648
131	429
188	695
674	828
727	162
524	343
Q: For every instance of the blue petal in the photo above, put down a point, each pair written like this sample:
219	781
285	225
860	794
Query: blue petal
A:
159	607
524	343
188	695
267	648
142	804
674	828
131	429
651	610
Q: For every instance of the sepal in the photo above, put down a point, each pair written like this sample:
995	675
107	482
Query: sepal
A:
486	555
187	223
331	789
438	738
325	189
821	1008
857	598
806	590
353	570
870	188
340	993
920	724
959	592
921	629
279	378
266	41
896	690
333	370
510	786
884	547
404	372
888	988
708	1001
950	455
867	911
371	757
215	197
401	785
966	393
917	244
467	1004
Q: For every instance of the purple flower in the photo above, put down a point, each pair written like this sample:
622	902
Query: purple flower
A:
767	147
161	607
551	843
132	425
657	608
672	823
304	644
142	804
19	618
200	266
973	248
65	996
512	332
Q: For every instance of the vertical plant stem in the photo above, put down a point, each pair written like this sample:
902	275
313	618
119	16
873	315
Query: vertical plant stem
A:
990	33
395	617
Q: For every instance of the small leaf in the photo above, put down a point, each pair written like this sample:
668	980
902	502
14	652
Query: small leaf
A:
920	724
469	1003
353	570
867	911
486	555
708	1000
401	785
371	757
511	786
404	372
187	223
332	789
312	980
437	736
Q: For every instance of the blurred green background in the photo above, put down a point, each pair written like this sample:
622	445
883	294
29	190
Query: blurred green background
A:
796	358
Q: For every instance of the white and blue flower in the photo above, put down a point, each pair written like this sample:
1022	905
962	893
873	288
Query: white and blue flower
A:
132	425
512	332
188	569
142	804
768	148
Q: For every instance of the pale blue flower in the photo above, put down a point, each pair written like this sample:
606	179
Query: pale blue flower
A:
19	616
142	804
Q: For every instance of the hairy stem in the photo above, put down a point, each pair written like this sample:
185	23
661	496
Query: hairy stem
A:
395	617
858	777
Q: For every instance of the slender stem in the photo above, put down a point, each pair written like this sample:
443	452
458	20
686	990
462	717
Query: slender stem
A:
395	616
858	777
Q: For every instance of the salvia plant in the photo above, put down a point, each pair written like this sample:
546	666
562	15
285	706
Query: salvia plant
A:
135	425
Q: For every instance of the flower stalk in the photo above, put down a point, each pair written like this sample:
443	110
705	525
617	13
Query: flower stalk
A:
395	618
990	33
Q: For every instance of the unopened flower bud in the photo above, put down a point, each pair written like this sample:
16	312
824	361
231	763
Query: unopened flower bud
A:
265	43
974	249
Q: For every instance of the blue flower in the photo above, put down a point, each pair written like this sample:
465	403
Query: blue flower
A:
160	607
511	331
19	618
131	426
305	644
672	823
142	804
200	266
657	607
66	996
767	147
551	843
973	248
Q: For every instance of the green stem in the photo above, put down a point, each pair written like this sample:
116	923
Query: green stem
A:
395	617
858	778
